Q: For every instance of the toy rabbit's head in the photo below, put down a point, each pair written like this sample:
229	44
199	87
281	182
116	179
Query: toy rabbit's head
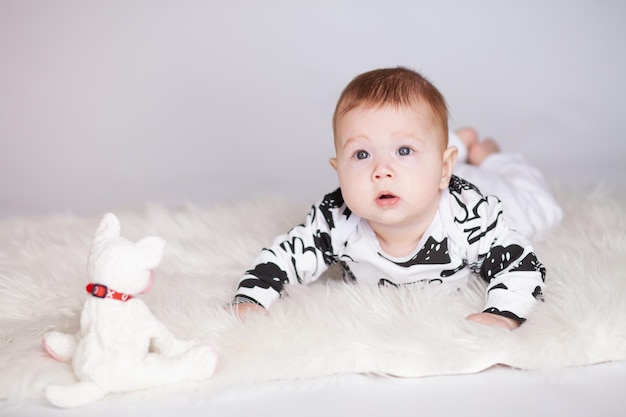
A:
120	264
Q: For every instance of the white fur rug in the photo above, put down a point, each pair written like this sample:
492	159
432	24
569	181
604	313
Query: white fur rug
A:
326	328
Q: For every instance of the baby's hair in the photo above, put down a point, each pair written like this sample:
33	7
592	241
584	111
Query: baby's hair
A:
395	87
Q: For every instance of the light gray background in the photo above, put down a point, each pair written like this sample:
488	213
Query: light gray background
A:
107	104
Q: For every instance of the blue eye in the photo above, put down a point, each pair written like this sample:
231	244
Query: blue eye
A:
405	151
361	155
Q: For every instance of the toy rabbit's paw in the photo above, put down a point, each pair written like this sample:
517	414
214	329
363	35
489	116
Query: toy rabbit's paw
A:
60	346
171	346
202	361
75	395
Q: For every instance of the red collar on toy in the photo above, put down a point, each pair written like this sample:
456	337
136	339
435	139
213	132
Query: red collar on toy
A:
101	291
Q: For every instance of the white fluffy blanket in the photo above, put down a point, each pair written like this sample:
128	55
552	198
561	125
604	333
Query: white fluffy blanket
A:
326	328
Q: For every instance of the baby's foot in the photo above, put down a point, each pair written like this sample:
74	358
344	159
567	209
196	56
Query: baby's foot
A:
468	135
479	151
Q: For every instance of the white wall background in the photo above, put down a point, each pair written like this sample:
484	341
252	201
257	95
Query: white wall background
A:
105	104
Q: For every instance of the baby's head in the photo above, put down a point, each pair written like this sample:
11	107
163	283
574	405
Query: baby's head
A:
391	141
394	87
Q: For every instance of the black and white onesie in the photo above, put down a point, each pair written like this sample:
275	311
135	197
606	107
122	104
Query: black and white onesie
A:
467	236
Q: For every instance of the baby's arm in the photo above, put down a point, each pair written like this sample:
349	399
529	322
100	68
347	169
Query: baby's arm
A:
498	254
510	267
297	257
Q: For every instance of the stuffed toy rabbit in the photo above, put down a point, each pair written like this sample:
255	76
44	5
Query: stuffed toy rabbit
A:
121	346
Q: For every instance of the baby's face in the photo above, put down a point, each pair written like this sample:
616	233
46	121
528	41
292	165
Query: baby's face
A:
391	163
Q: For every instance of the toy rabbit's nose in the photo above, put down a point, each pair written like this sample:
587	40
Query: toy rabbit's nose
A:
150	283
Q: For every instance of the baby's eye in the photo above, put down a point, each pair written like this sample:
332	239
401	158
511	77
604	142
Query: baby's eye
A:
405	151
361	155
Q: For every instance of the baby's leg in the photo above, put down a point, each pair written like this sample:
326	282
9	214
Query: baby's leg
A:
528	203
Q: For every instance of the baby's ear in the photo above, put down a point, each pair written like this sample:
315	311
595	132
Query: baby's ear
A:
449	161
333	163
152	249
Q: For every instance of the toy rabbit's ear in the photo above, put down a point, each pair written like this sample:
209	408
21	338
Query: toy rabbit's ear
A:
109	227
152	249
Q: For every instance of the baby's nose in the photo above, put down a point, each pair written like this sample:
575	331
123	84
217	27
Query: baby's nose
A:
382	171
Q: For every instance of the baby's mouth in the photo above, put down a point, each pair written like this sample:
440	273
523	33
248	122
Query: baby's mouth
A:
386	199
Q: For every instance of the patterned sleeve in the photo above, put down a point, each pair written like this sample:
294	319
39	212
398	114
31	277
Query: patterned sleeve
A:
500	255
297	257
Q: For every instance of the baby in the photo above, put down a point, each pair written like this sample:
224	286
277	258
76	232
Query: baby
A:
401	217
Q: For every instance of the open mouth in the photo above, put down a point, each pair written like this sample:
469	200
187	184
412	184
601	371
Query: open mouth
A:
386	199
386	195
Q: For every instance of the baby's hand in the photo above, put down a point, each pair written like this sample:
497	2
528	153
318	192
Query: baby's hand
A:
489	319
242	310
